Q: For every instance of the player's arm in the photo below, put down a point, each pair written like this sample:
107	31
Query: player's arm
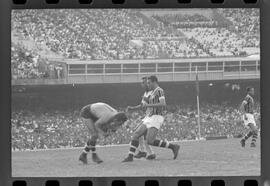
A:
137	106
242	106
134	107
160	104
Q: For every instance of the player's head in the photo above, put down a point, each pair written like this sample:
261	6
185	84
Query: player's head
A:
85	112
119	118
250	90
152	82
144	82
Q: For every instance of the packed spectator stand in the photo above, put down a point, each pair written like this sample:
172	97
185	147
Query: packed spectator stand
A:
27	64
42	129
106	34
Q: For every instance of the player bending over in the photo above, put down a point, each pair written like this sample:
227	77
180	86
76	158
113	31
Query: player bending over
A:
153	123
149	154
100	118
246	108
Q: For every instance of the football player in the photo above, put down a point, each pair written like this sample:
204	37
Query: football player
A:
143	146
247	108
153	123
100	118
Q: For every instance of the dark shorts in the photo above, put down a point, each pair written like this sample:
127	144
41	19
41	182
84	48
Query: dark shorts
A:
86	113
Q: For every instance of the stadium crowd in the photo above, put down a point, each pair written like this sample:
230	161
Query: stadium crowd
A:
60	129
27	64
24	64
219	41
216	38
244	25
108	34
185	20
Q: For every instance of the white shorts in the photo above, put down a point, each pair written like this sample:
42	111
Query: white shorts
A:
250	119
153	121
145	118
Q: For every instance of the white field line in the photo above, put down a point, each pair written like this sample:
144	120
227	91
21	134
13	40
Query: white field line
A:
116	145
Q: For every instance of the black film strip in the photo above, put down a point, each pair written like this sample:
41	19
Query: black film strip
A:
18	88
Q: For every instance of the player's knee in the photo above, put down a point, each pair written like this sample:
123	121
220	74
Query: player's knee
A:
135	136
252	127
254	131
144	136
150	141
91	142
94	137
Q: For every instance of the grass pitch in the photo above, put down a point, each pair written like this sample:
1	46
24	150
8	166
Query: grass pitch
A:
196	158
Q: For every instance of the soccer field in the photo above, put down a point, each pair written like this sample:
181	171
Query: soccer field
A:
196	158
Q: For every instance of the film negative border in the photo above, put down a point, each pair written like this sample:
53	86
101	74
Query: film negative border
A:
142	181
137	4
83	2
5	155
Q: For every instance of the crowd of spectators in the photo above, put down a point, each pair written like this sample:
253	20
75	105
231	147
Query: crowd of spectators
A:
24	63
106	34
216	38
218	41
27	64
87	34
41	129
248	25
178	48
186	20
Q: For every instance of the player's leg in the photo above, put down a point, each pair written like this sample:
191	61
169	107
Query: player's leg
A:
135	142
150	153
250	123
86	150
91	143
254	134
151	140
141	151
141	144
246	136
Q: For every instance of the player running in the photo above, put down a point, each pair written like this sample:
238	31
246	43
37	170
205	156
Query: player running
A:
153	123
246	108
100	118
149	154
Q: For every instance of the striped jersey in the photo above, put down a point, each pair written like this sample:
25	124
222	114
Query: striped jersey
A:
155	97
248	104
145	100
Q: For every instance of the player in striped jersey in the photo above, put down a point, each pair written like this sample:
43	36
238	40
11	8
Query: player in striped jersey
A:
100	118
247	108
153	123
149	154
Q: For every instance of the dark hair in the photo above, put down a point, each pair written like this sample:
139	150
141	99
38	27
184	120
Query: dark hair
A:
249	89
121	116
144	78
153	78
